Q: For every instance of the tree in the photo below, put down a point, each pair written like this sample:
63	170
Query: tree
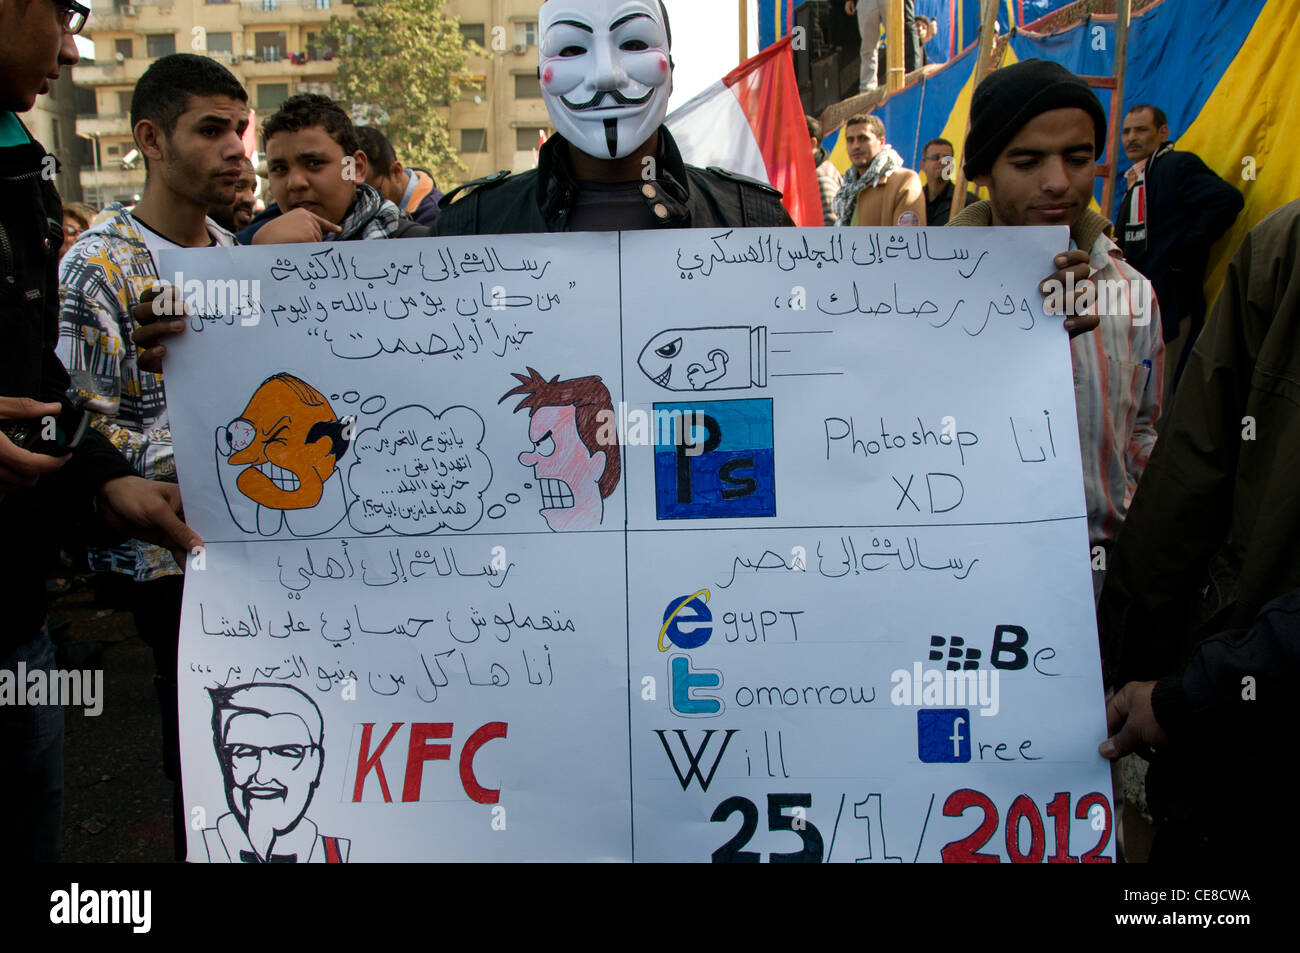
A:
403	59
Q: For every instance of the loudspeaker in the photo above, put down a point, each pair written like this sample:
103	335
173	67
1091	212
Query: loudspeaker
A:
850	78
825	83
810	22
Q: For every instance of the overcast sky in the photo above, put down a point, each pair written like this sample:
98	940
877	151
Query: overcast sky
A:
705	38
706	34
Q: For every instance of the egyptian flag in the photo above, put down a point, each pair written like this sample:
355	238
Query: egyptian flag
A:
752	122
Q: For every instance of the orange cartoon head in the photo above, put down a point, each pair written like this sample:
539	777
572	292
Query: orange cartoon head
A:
290	442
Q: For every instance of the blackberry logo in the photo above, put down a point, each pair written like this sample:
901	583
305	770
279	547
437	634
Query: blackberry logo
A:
959	656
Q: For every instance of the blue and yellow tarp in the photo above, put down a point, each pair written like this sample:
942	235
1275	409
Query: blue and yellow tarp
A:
1224	72
774	20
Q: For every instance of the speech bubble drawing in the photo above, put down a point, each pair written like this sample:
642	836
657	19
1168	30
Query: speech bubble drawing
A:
417	472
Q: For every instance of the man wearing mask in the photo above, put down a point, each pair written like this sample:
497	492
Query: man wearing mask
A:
606	74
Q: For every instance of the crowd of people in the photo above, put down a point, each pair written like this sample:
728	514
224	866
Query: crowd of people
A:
1196	528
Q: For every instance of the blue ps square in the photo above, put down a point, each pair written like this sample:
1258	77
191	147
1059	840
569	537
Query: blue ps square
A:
714	459
943	735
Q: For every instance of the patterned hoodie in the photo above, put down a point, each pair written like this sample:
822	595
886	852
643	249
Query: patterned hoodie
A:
100	280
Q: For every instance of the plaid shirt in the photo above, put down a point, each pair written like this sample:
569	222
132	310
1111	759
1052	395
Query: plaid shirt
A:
829	181
100	280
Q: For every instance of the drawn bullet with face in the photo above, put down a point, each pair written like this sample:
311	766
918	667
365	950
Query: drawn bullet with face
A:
288	442
695	359
574	472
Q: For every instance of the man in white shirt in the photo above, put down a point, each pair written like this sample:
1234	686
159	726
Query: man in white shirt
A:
188	114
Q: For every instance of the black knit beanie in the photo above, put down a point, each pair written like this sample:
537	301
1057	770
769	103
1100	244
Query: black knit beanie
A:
1010	97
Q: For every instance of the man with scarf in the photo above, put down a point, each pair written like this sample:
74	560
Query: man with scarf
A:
1173	211
877	190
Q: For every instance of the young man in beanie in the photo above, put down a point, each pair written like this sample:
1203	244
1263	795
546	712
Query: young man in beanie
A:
1036	132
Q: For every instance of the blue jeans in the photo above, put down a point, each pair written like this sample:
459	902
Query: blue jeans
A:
31	766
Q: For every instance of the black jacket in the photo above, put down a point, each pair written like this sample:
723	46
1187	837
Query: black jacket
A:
1188	210
1223	777
540	199
31	233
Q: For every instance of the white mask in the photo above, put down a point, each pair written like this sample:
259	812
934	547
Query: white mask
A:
605	72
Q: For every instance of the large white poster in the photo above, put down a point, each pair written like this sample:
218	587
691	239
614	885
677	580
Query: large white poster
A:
734	546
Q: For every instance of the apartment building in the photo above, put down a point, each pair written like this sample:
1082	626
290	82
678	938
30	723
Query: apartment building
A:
54	125
272	46
497	126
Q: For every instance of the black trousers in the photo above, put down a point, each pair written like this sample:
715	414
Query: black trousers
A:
156	608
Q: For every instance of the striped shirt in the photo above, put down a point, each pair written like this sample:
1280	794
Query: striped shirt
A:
101	279
1118	374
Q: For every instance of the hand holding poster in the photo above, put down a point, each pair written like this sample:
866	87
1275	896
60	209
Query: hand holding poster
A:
736	545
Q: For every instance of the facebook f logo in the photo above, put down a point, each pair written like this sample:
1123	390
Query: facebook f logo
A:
943	735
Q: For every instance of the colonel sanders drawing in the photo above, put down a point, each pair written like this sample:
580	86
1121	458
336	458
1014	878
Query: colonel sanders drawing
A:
269	741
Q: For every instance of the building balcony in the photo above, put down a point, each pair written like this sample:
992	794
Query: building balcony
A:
103	22
130	16
287	69
111	74
112	177
267	12
103	125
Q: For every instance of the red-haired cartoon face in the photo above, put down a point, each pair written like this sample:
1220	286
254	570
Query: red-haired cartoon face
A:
574	471
568	474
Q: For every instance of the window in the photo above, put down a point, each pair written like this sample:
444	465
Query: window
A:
528	139
316	50
220	43
270	5
272	95
528	86
526	34
124	102
160	44
475	32
270	46
473	89
322	4
473	140
124	47
113	151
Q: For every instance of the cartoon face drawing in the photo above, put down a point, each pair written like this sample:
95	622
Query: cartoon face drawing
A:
574	472
693	359
567	472
274	768
269	742
288	440
605	71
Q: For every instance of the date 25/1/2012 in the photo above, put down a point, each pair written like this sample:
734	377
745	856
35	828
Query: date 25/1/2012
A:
1094	807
